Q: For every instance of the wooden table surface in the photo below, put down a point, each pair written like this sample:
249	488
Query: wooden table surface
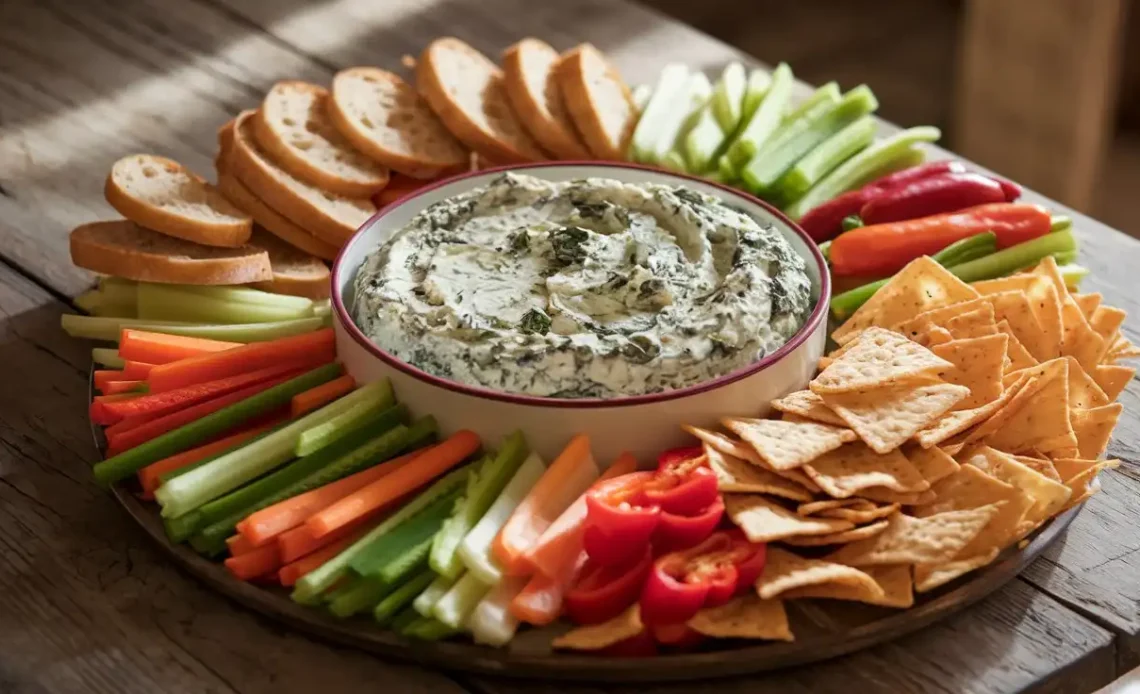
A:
87	605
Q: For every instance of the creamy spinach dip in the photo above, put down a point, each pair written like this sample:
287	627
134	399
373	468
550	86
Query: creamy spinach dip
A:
589	288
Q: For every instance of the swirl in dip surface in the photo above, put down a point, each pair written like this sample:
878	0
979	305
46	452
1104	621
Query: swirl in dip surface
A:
585	288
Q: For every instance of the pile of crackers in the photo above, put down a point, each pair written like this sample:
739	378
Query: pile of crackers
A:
952	422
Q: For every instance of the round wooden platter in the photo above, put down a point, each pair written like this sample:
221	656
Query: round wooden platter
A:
823	628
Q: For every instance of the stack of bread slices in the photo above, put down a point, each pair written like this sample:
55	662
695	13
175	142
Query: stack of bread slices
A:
297	176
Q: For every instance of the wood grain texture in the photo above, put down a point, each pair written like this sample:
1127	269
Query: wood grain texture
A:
86	605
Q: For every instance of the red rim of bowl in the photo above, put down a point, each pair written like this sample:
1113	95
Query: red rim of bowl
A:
818	314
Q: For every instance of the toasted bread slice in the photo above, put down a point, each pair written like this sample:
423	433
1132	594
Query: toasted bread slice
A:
383	117
161	194
528	71
294	127
467	92
331	218
598	100
294	272
124	249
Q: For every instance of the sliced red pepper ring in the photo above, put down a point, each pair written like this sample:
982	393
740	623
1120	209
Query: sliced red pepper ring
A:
684	486
678	455
618	526
678	532
603	592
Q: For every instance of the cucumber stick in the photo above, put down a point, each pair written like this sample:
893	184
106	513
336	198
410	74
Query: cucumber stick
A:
485	484
727	102
403	596
435	590
475	550
803	135
826	156
405	539
316	582
223	474
457	604
764	121
380	398
361	595
658	113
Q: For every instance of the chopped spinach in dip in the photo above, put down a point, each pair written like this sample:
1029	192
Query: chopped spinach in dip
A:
585	288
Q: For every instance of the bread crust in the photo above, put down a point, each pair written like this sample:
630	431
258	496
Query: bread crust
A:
294	272
547	122
581	100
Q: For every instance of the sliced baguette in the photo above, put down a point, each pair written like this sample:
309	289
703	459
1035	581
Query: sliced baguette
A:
331	218
294	272
383	117
294	127
124	249
598	100
466	91
528	72
161	194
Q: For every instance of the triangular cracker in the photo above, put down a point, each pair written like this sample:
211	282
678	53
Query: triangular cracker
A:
763	520
879	358
978	364
886	417
845	471
787	445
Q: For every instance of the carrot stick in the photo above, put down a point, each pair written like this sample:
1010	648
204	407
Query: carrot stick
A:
99	415
292	572
316	346
169	422
259	562
158	348
238	545
427	466
555	553
262	526
136	370
150	477
321	395
104	376
120	387
299	541
571	473
540	601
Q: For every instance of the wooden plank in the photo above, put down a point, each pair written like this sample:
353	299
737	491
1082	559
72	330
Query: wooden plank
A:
86	604
88	82
972	653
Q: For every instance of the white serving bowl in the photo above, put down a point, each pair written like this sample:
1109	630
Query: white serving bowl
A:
643	425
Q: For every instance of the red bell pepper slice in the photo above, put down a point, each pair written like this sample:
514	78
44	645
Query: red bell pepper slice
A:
681	583
681	485
932	195
676	455
618	526
916	173
603	592
678	532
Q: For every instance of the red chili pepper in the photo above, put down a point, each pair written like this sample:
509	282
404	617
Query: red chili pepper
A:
681	583
618	524
602	592
678	636
917	173
883	249
930	196
1011	189
683	486
678	532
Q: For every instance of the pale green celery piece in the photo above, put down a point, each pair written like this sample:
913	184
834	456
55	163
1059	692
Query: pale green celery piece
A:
726	171
826	156
426	600
728	97
167	302
703	142
658	112
640	95
322	308
851	172
89	300
379	398
1073	274
674	162
684	116
826	94
109	329
756	132
247	295
759	81
911	157
457	604
107	357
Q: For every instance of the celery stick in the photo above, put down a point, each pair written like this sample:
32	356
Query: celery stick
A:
824	96
167	476
167	302
402	596
247	295
428	630
181	528
1062	258
407	563
852	172
107	357
640	95
1011	259
88	300
475	550
657	115
681	118
322	308
486	483
1060	223
129	462
406	538
826	156
363	595
703	142
426	600
764	121
1073	274
728	97
109	329
803	135
492	623
379	398
230	471
456	606
110	310
404	620
321	579
759	82
674	161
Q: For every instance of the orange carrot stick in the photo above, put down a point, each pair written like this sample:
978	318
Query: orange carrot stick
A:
315	346
262	526
104	376
238	545
158	348
555	553
150	477
427	466
136	370
127	423
258	562
318	397
540	601
299	541
571	473
292	572
120	387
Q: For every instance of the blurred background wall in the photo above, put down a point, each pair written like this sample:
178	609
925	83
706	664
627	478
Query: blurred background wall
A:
1044	91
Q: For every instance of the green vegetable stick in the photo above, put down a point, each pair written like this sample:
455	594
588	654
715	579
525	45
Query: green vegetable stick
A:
429	630
1014	258
402	596
1073	274
759	82
764	121
110	329
321	579
726	171
640	96
674	162
362	595
167	476
246	295
129	462
432	593
457	604
402	544
826	156
852	172
180	529
379	398
483	487
107	357
658	113
88	300
803	135
703	142
163	302
727	102
1060	223
230	471
322	308
824	96
682	118
405	619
